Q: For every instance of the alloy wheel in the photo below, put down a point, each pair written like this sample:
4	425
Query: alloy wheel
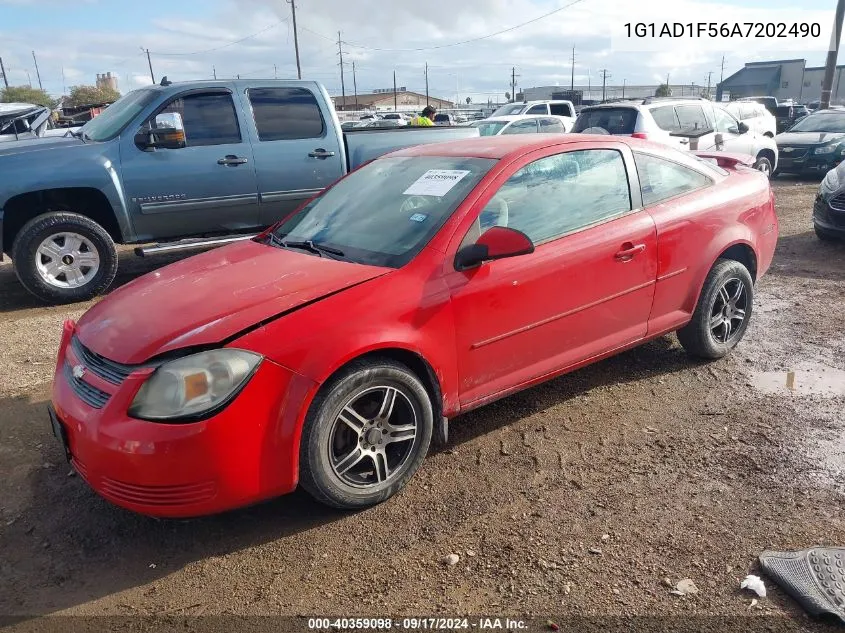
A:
728	311
67	260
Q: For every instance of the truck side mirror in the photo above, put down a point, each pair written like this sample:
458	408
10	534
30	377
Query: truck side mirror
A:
167	132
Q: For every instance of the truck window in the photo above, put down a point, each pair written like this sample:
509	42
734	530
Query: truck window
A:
561	109
541	108
209	118
285	114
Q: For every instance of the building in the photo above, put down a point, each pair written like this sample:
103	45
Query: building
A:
405	100
588	94
784	79
107	80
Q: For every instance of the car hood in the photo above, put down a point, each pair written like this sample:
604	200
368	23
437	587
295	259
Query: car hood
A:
36	144
211	297
808	138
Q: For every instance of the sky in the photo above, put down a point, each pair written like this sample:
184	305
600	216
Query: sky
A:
192	39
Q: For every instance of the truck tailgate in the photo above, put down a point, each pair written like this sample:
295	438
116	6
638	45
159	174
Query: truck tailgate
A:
366	144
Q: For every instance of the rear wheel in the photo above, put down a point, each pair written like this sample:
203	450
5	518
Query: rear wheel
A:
366	434
723	311
63	257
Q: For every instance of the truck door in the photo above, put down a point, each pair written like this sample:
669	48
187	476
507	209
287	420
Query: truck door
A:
298	153
206	187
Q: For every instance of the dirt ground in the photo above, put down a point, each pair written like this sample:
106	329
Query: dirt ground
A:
576	497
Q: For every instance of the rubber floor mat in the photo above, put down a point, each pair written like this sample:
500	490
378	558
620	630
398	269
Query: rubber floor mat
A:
815	577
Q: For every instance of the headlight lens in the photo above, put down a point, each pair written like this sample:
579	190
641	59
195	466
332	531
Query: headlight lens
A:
826	149
830	184
193	385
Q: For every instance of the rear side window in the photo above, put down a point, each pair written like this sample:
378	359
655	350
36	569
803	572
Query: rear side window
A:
538	109
528	126
691	118
560	109
611	120
662	179
284	114
550	126
666	118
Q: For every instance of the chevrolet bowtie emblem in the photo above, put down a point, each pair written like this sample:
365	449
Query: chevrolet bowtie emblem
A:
78	371
786	149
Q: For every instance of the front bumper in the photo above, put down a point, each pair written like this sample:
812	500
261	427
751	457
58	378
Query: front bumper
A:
807	164
829	218
246	453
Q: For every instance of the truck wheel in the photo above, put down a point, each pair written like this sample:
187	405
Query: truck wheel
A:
63	257
723	311
366	434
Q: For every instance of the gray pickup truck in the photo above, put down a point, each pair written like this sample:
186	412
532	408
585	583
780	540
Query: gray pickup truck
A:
189	164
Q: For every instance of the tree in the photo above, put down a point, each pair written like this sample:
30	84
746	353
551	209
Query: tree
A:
663	90
469	100
25	94
507	96
91	95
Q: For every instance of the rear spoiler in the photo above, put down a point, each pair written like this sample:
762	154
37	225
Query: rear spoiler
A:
726	160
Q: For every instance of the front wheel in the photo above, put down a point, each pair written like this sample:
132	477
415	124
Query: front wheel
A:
824	236
366	434
764	166
63	257
723	311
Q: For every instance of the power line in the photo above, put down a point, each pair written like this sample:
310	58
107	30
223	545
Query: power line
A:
217	48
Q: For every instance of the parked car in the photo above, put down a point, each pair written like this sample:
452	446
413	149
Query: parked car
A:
681	123
814	145
329	350
520	124
198	159
25	121
443	118
554	107
829	208
754	115
394	116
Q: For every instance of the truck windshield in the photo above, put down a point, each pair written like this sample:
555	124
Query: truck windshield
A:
117	116
386	212
507	110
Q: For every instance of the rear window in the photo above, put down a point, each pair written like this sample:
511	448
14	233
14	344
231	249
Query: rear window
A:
560	109
611	120
441	118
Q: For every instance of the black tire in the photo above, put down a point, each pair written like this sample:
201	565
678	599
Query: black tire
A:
25	256
764	165
824	236
319	438
698	337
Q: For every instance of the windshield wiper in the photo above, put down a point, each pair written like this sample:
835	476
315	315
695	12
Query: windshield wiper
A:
308	245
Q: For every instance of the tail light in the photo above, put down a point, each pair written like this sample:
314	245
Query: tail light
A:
641	135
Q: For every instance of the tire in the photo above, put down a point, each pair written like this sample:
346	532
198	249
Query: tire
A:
764	165
60	232
824	236
329	445
702	337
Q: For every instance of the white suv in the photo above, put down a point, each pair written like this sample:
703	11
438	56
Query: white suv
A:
680	123
555	107
754	115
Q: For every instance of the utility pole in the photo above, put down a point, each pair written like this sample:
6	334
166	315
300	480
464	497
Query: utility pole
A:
624	81
342	84
426	83
3	72
709	74
214	71
722	76
275	72
64	86
150	62
603	83
355	85
572	77
395	100
37	72
29	78
830	66
296	38
513	83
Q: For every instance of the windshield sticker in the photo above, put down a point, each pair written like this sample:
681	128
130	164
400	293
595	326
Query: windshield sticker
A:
436	182
418	217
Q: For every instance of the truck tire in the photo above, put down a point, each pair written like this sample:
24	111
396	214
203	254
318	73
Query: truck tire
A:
63	257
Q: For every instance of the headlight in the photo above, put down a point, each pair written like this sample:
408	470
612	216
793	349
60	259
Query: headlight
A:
830	184
826	149
194	385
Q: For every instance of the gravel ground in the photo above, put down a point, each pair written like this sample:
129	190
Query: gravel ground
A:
581	496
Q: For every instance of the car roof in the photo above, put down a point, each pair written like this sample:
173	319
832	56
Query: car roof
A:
501	146
504	118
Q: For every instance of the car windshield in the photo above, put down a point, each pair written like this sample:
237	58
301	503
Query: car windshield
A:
821	122
489	128
386	212
117	116
511	108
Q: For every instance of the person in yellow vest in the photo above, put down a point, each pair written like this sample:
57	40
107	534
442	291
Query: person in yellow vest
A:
426	119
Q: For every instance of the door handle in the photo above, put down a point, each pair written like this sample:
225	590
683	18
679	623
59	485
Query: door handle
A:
320	153
628	251
231	159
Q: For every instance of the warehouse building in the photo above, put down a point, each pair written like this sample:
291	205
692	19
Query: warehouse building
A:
784	78
404	101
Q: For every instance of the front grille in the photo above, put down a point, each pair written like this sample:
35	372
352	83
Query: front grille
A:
108	370
838	203
157	495
793	152
89	394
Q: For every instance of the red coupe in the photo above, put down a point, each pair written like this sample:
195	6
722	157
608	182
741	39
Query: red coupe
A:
330	349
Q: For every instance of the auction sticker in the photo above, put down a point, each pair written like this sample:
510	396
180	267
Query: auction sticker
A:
436	182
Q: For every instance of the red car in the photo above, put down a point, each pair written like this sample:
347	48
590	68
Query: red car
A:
329	350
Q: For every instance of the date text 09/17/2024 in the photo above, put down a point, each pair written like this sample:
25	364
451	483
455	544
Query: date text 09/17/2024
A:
417	624
678	30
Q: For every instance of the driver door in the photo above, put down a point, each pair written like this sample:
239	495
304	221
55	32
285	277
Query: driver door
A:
727	137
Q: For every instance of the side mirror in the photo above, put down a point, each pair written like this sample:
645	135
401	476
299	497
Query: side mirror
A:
743	128
497	242
168	133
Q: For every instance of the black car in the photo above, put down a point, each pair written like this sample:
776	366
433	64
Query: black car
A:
814	145
829	209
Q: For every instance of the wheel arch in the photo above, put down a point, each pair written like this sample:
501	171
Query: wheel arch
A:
740	250
767	152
